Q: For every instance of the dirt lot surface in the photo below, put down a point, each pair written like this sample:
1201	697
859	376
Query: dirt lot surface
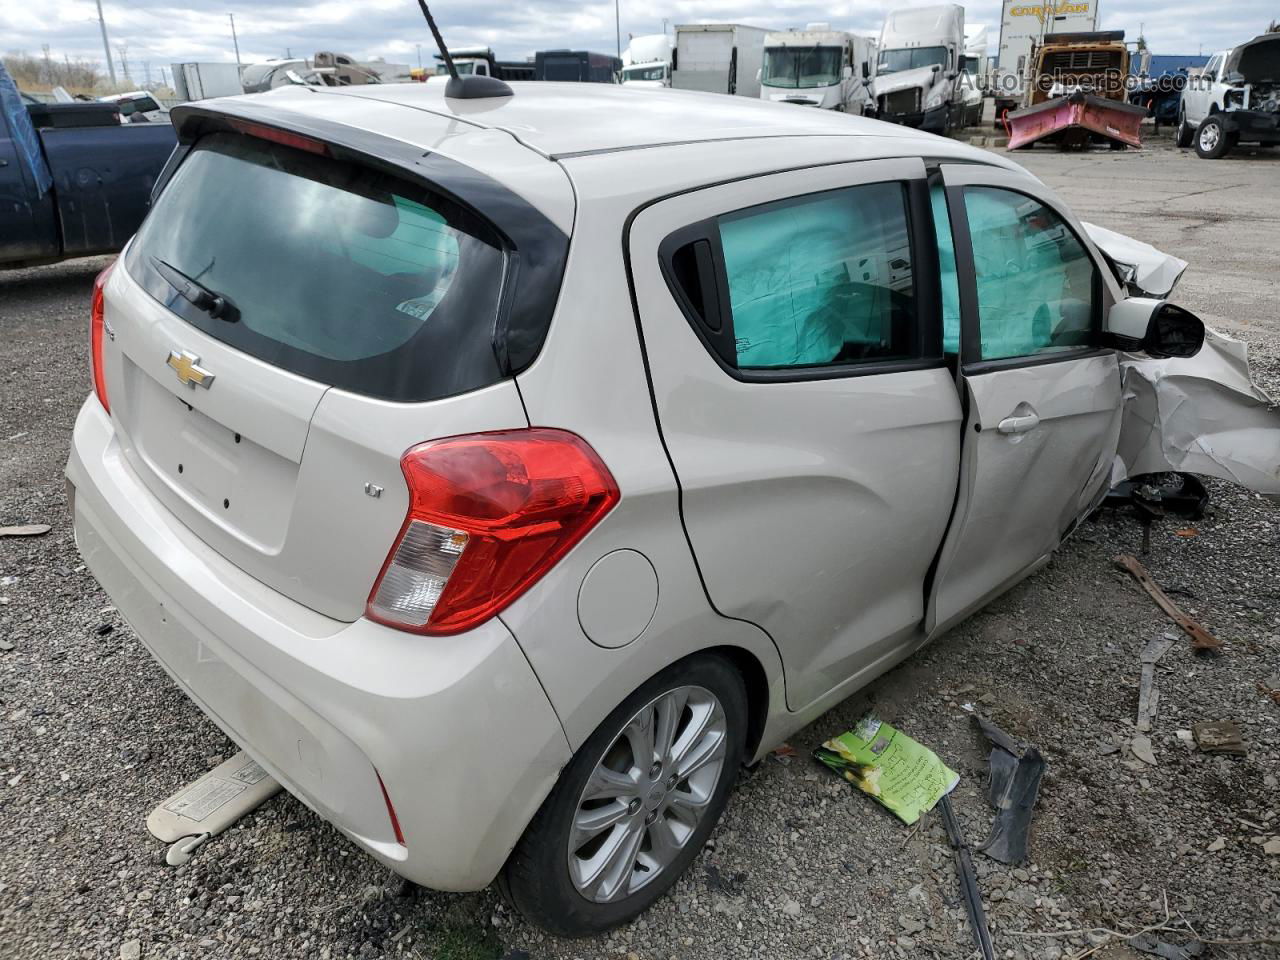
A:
93	734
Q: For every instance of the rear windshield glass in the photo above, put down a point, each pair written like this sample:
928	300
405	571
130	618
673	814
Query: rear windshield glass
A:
337	272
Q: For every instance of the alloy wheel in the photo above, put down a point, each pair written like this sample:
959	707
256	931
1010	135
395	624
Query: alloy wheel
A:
1209	137
647	794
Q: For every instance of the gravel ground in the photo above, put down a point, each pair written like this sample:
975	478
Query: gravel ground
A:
93	734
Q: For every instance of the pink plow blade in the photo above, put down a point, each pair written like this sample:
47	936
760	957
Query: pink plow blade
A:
1074	118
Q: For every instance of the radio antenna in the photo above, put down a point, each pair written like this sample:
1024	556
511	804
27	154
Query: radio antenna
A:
471	87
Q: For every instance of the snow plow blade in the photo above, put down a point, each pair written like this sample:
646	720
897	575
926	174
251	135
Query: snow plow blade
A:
1075	120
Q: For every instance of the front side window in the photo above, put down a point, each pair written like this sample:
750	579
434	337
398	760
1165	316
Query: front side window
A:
1037	285
911	58
822	279
799	67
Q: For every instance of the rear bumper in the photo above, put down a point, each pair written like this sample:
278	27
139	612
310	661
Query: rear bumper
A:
458	728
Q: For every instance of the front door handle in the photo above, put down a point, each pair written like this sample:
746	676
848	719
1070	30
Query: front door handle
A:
1023	424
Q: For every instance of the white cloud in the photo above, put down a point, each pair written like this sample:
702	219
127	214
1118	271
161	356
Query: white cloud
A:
160	31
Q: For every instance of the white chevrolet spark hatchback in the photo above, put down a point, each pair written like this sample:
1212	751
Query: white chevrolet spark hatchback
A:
504	473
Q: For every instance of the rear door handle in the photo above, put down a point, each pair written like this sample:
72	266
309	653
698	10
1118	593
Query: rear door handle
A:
1019	424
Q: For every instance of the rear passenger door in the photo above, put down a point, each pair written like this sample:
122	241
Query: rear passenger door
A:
792	331
1023	302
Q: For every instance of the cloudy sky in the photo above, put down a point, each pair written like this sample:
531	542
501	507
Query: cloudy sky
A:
159	32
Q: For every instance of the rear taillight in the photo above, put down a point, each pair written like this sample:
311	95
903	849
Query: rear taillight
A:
489	514
98	329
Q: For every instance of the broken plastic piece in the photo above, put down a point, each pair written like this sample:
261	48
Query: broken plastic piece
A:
1201	639
202	810
180	852
1016	769
1148	695
26	530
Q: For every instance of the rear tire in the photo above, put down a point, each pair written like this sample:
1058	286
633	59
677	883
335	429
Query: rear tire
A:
572	876
1213	142
1185	133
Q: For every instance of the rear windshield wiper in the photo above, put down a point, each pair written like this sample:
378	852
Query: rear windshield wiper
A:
195	293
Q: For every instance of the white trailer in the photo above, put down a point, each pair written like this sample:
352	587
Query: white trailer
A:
718	58
818	67
203	81
1024	25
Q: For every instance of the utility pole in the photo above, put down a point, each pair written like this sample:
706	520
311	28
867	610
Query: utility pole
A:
617	27
123	50
419	46
106	47
234	39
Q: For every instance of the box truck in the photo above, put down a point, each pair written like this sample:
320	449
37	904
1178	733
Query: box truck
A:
718	58
204	81
818	67
1024	26
919	69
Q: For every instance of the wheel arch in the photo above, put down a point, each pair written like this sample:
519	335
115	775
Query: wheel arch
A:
756	682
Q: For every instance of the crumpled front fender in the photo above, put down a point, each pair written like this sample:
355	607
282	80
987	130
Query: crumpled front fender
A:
1203	414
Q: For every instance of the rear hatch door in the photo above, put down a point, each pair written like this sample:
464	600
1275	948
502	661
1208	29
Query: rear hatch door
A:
285	326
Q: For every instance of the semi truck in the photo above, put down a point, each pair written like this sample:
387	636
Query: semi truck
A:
919	68
818	67
719	58
647	61
482	62
74	181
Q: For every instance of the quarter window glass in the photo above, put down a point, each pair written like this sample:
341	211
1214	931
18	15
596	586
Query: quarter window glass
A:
1035	281
823	279
947	268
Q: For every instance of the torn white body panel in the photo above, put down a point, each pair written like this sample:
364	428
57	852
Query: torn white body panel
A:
1146	271
1201	415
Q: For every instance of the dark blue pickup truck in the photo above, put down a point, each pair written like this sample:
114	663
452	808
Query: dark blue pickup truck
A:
74	181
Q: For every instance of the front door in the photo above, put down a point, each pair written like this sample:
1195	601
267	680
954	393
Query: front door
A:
792	331
1043	400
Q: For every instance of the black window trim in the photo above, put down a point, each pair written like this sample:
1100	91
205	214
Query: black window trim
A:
967	278
926	292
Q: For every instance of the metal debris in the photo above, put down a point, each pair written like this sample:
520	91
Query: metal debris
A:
1201	639
968	880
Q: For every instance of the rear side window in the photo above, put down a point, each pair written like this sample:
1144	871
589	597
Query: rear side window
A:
825	280
333	271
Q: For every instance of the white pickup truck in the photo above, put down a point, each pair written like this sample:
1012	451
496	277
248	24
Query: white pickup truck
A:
1234	99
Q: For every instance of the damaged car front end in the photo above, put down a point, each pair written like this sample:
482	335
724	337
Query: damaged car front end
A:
1250	111
1202	414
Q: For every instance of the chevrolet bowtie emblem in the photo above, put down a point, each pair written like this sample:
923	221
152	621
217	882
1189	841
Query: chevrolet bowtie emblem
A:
187	366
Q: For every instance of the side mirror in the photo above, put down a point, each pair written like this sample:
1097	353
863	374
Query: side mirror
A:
951	74
1155	327
866	70
847	73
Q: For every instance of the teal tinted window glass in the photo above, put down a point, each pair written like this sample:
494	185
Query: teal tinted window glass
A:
947	268
821	279
1035	281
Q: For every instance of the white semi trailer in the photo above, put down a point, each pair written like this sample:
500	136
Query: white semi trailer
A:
818	67
718	58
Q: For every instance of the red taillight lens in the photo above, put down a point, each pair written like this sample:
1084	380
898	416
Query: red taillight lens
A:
97	329
285	137
489	514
